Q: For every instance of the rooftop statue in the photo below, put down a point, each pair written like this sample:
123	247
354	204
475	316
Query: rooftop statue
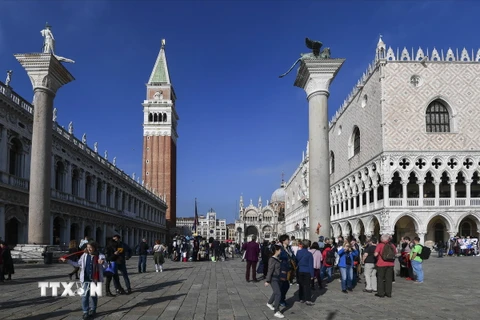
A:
9	78
49	43
315	54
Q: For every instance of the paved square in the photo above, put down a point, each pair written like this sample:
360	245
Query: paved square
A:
207	290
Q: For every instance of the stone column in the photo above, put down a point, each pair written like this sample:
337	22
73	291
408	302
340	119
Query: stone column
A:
47	75
421	235
3	146
468	186
375	196
437	193
420	193
315	76
404	192
453	195
67	230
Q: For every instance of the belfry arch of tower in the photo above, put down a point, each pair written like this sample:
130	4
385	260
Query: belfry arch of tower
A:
159	171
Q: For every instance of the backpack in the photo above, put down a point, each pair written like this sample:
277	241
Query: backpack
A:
330	258
388	253
425	253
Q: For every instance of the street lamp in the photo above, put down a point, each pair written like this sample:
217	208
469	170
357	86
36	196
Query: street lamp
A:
297	228
304	227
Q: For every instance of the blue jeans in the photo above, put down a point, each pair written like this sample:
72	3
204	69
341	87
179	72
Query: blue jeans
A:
122	267
418	269
347	276
328	271
86	298
142	263
440	253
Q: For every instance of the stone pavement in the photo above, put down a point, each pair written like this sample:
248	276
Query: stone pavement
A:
207	290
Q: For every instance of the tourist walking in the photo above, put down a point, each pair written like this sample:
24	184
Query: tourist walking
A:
158	256
272	278
252	250
286	266
124	252
142	256
91	265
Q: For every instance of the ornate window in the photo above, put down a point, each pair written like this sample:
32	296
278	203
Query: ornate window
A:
437	117
15	158
332	162
356	141
59	175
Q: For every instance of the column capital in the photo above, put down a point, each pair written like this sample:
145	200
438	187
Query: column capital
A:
316	74
45	71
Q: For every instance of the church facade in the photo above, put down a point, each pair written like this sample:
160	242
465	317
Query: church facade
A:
264	222
405	153
90	195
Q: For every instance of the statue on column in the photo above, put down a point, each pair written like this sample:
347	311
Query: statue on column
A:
49	44
70	127
106	155
315	54
114	161
9	78
84	138
95	147
54	114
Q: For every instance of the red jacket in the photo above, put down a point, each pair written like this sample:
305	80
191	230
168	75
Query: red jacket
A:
324	256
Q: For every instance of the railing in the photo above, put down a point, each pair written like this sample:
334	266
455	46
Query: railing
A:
14	181
428	202
444	202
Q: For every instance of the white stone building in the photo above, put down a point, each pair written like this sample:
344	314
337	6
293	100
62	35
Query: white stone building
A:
208	226
266	223
405	148
89	194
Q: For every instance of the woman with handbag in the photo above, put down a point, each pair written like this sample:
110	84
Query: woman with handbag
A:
111	272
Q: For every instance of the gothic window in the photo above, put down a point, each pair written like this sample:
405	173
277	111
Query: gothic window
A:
437	117
164	117
356	141
15	161
150	117
332	162
155	119
59	174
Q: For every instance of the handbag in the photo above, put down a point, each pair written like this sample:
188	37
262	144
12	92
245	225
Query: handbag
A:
111	269
260	267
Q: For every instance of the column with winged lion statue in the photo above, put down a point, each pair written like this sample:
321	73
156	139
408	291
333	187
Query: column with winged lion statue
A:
315	74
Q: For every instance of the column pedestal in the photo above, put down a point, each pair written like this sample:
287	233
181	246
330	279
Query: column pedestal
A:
315	76
47	75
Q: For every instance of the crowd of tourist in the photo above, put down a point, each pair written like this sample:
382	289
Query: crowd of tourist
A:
311	264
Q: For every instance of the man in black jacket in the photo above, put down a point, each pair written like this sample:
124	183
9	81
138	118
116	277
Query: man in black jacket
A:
142	256
124	253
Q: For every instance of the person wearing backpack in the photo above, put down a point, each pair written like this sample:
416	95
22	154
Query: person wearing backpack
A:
328	261
385	253
416	260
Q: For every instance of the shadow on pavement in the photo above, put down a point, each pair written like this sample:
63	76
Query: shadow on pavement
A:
50	315
157	286
22	303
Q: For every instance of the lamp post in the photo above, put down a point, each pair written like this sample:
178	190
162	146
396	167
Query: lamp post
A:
297	228
304	228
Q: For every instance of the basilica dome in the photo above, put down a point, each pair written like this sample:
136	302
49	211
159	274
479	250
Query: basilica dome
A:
279	194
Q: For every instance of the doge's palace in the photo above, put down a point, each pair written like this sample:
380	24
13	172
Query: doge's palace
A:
405	149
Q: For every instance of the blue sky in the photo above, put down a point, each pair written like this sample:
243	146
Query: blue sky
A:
240	125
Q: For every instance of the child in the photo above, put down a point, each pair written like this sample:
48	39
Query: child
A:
273	278
91	265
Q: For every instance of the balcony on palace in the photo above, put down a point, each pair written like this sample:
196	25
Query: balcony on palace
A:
408	203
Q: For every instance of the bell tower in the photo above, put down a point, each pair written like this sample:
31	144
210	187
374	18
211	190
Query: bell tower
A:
160	120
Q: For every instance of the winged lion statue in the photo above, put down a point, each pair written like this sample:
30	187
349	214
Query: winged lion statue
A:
315	54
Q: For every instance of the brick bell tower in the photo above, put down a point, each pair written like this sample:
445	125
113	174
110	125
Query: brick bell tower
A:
160	136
